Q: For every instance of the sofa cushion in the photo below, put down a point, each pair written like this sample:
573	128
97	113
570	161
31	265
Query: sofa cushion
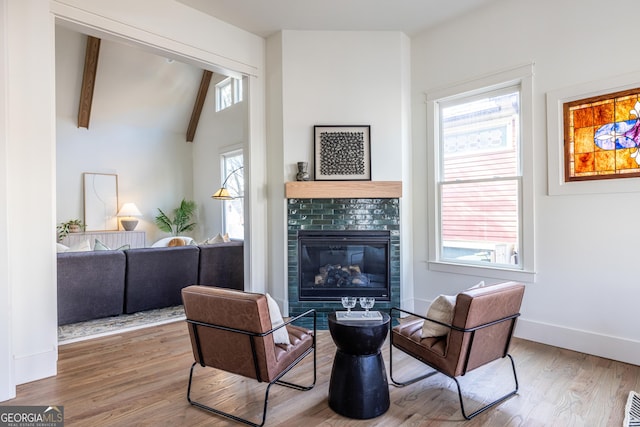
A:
155	276
441	309
218	238
81	246
99	246
163	243
280	336
90	285
222	265
176	241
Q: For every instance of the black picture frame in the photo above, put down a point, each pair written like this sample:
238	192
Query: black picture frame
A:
342	153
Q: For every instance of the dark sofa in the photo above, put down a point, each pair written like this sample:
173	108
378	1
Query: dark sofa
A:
222	265
90	285
99	284
155	276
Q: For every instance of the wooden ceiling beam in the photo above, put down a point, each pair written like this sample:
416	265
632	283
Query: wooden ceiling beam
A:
197	107
88	81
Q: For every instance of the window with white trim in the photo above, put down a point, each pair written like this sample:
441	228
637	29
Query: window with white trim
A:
479	189
228	92
233	210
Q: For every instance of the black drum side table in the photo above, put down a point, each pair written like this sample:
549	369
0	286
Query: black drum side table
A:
358	386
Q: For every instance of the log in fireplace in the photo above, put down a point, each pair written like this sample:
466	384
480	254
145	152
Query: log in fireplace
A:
333	264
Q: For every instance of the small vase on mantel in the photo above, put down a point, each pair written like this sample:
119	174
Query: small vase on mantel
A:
303	171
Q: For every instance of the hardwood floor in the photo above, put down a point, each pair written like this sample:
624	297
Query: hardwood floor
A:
139	378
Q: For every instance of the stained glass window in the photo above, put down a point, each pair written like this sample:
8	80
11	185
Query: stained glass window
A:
602	136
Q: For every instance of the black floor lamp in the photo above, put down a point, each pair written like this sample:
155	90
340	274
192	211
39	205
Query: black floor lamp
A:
223	193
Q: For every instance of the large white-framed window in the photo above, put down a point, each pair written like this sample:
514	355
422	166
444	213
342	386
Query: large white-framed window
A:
228	92
480	185
232	167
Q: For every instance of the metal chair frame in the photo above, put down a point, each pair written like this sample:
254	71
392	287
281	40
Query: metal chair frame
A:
251	336
472	331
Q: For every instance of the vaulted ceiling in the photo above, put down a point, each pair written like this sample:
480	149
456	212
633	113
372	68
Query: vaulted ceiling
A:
89	74
265	17
119	82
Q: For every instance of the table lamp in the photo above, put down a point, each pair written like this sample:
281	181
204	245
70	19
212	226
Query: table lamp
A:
127	212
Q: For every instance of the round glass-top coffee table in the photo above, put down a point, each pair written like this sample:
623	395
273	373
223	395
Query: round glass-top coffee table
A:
358	386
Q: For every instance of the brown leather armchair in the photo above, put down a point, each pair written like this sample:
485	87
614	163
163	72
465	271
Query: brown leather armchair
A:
483	323
231	330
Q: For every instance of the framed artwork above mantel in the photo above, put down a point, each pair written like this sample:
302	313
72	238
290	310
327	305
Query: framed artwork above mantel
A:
342	153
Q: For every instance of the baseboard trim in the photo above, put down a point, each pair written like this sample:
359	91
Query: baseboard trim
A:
35	366
615	348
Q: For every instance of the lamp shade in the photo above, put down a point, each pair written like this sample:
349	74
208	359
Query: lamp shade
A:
129	209
222	194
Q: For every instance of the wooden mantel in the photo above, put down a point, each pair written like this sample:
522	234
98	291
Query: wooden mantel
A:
343	189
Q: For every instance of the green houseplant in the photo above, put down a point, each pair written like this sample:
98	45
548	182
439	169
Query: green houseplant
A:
72	226
181	221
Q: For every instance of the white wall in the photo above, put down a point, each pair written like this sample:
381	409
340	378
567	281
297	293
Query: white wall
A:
586	290
333	78
275	162
140	112
350	78
29	54
6	359
29	199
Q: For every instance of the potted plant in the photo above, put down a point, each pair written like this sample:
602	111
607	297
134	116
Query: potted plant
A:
181	220
72	226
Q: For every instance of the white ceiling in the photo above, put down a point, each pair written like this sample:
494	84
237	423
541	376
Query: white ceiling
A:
265	17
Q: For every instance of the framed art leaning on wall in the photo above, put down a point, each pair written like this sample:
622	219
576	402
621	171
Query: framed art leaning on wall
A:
342	153
100	201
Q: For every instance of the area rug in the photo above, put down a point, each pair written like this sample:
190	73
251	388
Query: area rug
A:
112	325
632	411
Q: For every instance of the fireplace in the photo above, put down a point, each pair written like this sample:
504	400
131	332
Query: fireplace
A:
333	264
351	215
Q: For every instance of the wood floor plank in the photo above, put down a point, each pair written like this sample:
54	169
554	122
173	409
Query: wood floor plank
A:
139	378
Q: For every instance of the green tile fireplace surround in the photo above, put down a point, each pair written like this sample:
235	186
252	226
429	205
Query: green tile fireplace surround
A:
360	213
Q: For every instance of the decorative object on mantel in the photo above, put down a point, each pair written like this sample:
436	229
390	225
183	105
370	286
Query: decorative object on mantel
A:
127	213
72	226
223	193
342	153
181	218
303	172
